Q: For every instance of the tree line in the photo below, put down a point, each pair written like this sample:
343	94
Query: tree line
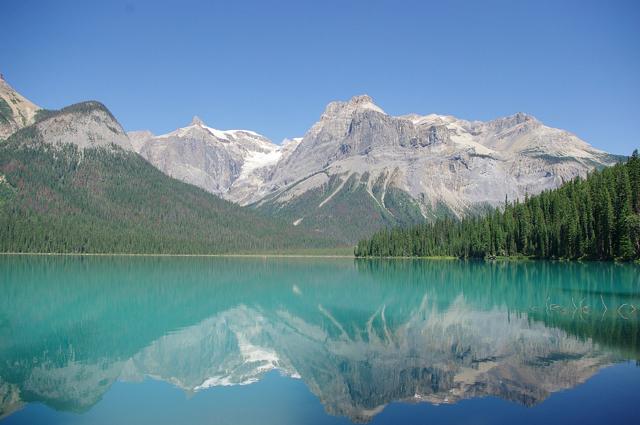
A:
597	217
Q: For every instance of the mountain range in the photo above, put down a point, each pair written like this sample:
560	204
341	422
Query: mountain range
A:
71	182
357	161
354	171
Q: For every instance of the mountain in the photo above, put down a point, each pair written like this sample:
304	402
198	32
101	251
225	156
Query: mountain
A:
84	125
359	162
359	169
356	170
71	182
16	111
233	164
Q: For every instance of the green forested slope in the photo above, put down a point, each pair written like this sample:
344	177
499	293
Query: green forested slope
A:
596	218
351	212
107	200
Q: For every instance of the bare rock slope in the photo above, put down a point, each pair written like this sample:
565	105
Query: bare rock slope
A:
16	111
359	168
86	125
233	164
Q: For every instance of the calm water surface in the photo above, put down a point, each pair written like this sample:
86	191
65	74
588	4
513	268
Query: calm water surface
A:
168	340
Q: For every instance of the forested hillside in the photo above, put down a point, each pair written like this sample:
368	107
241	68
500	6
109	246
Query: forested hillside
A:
108	200
593	218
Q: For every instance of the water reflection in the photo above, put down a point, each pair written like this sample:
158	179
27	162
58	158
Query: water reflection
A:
359	334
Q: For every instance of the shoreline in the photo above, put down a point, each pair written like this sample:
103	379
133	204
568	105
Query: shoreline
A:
328	256
115	254
507	259
266	255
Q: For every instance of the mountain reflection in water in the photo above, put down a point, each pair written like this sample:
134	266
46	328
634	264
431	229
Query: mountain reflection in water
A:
359	334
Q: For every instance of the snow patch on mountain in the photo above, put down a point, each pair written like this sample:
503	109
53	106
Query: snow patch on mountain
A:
232	164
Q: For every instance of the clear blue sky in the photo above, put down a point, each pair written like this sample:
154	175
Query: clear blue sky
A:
272	66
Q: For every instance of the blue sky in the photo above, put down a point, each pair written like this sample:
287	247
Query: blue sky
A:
273	66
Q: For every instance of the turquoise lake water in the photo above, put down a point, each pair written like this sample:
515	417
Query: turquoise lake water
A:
169	340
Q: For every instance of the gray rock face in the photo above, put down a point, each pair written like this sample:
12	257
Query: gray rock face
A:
234	164
138	138
443	164
441	159
16	111
86	125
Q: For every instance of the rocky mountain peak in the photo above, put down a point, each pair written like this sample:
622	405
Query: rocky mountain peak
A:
513	120
355	104
521	117
360	99
16	111
364	101
87	125
197	121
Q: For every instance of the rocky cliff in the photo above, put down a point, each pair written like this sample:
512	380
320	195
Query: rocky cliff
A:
16	111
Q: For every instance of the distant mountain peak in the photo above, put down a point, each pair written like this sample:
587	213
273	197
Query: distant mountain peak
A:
86	124
197	121
517	119
360	99
364	101
355	104
521	117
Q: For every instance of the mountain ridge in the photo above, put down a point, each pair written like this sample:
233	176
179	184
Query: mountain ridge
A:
357	169
227	163
71	182
358	161
432	165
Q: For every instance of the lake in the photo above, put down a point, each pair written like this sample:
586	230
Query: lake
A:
201	340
